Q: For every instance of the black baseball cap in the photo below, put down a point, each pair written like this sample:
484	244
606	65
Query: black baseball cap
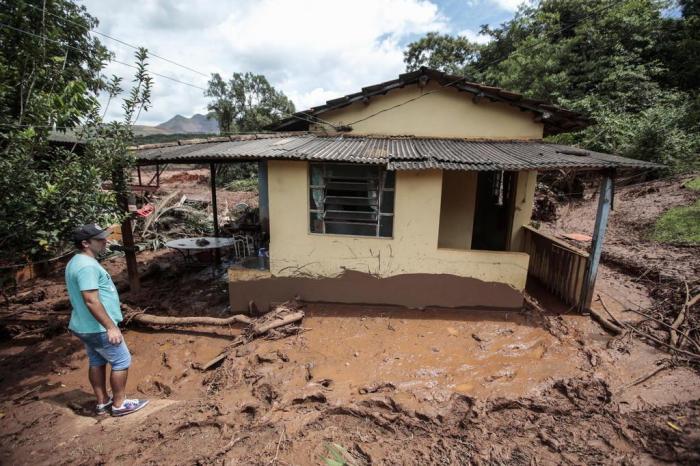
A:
89	231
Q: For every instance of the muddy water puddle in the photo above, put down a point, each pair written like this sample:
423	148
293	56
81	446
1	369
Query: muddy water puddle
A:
433	352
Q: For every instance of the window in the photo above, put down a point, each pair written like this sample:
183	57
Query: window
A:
351	199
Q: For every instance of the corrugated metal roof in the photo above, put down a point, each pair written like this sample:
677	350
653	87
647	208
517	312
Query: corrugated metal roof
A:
397	153
555	119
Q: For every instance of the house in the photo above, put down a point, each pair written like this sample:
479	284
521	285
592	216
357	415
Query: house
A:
416	191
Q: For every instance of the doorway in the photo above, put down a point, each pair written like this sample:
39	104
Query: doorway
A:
495	193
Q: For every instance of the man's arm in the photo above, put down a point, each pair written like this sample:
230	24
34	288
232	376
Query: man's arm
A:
92	301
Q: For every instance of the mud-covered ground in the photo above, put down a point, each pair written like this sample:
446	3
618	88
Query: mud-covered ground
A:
371	385
627	239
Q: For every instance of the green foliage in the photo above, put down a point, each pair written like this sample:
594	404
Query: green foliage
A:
156	138
634	70
693	184
245	184
679	225
228	173
247	102
441	51
337	455
49	188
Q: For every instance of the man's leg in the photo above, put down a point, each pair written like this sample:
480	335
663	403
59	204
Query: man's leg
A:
98	380
119	358
97	370
118	382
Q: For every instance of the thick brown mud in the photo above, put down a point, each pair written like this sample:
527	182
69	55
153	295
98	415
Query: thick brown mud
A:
389	386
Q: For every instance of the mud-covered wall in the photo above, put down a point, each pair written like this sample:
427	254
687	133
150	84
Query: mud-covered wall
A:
416	290
413	248
445	113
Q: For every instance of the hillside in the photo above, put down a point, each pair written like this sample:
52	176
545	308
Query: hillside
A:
196	124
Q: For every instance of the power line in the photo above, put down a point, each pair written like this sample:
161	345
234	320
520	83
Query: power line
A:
493	62
39	36
122	42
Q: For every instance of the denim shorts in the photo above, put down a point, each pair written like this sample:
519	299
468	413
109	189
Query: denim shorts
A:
100	351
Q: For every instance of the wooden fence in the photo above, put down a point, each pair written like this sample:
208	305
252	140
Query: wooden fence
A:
558	266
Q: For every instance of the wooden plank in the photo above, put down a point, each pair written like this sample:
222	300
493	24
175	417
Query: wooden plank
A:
561	243
601	222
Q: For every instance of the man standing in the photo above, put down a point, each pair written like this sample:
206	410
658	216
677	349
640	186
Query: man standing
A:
96	313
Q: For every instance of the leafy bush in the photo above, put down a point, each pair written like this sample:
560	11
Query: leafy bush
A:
246	184
49	187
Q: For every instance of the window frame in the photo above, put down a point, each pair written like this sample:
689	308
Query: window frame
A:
381	189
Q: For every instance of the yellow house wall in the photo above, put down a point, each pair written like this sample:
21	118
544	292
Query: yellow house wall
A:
524	203
457	209
446	113
413	248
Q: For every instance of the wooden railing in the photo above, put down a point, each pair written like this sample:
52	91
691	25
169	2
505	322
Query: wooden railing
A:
558	266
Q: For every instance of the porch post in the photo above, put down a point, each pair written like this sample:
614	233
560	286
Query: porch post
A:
263	201
601	222
212	179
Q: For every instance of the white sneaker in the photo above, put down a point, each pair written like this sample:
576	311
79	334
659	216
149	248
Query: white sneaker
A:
101	409
128	407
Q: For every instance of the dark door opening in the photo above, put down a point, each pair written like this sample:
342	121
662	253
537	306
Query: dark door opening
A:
495	192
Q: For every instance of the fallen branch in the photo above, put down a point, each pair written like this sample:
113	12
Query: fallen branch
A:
150	319
258	330
650	337
255	329
665	365
680	319
137	315
659	321
614	328
530	301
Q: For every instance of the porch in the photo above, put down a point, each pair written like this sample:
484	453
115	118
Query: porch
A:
435	247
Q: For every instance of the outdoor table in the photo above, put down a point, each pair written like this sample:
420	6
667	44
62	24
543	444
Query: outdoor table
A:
186	245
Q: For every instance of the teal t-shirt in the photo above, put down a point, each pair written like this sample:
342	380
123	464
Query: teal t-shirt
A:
85	273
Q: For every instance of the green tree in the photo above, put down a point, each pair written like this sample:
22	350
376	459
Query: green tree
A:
50	77
451	54
247	102
618	61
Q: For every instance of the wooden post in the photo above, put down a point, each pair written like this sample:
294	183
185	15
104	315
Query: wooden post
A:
212	178
132	268
601	222
263	201
215	210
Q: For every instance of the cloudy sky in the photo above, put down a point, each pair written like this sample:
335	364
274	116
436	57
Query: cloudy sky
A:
313	50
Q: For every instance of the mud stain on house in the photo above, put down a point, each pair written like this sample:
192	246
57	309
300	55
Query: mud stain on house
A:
415	290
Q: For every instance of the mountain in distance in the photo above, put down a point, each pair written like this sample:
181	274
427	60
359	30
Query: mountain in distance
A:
179	124
197	124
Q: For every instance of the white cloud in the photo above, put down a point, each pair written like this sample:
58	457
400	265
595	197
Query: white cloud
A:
312	50
508	5
474	36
